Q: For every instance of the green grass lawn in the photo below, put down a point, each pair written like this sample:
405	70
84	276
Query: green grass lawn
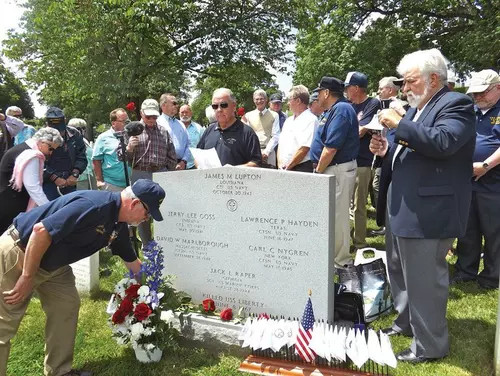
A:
471	318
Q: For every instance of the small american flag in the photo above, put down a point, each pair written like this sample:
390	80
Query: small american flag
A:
305	334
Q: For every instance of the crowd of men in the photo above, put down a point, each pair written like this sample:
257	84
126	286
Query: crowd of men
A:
433	173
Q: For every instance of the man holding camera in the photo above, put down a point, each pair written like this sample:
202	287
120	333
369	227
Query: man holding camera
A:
150	151
107	154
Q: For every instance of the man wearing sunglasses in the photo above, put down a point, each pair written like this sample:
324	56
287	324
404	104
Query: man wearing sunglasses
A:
112	176
169	108
67	162
151	151
37	249
236	143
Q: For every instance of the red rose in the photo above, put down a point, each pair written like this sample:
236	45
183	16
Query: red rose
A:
142	311
130	106
131	292
240	111
208	305
118	317
263	316
226	314
126	305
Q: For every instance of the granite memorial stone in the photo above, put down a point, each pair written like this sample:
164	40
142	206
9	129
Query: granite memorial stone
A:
250	238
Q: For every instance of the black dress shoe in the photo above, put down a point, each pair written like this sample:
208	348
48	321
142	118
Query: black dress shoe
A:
392	332
380	231
409	357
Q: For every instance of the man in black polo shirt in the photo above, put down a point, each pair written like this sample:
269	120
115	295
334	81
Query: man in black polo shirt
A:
235	143
35	253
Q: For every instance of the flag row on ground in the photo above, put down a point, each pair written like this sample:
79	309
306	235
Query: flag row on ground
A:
312	339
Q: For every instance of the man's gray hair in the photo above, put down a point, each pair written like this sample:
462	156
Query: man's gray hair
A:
388	82
164	98
260	93
50	135
210	114
77	123
224	91
301	92
427	62
12	110
128	193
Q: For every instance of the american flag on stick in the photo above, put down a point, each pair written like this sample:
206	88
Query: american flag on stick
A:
305	334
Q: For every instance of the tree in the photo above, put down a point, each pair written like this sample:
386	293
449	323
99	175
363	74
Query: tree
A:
242	78
13	93
458	28
93	56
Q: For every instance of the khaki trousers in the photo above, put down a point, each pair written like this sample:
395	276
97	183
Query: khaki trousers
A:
345	177
60	302
363	177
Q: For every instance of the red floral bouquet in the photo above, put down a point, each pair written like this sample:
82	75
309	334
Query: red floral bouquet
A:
142	312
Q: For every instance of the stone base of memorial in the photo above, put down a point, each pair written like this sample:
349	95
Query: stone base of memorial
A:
210	331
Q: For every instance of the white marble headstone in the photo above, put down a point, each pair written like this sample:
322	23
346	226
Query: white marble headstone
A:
249	237
86	273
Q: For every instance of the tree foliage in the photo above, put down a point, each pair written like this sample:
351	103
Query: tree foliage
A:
92	56
373	35
242	78
13	93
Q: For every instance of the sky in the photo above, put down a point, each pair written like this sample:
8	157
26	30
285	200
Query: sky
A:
13	13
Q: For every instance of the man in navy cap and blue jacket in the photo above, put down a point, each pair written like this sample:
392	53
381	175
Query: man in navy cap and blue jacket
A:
334	151
67	162
35	253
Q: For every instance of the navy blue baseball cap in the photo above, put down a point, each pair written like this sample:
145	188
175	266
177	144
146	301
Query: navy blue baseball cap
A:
151	194
54	116
356	79
313	97
331	83
276	98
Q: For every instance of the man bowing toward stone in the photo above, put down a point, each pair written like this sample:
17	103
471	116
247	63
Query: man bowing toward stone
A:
426	180
35	253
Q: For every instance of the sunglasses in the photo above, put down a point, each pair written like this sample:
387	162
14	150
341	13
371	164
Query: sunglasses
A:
222	105
149	117
51	149
19	116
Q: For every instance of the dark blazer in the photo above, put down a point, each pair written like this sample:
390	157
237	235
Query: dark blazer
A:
431	178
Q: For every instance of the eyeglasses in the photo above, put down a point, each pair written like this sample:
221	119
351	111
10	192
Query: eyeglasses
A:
145	207
222	105
19	116
51	149
175	103
149	117
126	121
484	92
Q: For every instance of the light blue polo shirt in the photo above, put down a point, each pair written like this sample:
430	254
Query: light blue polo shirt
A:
106	150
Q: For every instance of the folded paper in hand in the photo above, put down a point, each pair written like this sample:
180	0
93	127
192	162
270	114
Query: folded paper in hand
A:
374	124
205	159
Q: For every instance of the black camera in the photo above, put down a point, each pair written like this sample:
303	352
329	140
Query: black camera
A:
134	128
385	103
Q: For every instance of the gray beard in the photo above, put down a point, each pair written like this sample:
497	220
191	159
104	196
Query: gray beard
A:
185	119
415	100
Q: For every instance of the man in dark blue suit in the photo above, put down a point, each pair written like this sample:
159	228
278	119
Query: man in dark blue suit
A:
426	180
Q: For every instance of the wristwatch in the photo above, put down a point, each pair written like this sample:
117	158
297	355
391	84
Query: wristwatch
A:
75	174
486	166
